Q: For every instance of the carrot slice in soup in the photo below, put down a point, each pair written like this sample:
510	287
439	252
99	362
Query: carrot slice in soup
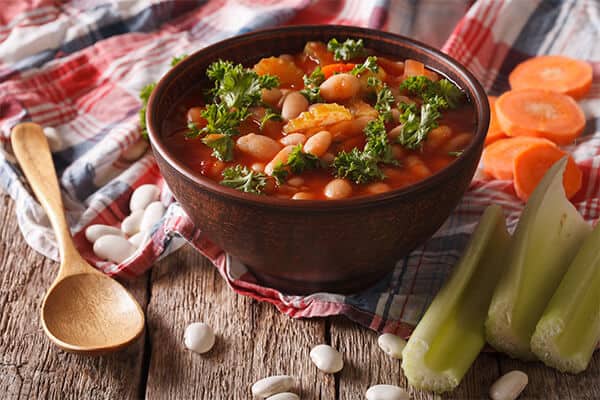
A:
542	113
494	131
498	157
413	68
531	164
557	73
333	69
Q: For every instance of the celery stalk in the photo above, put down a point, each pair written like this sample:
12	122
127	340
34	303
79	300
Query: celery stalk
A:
451	333
547	237
567	334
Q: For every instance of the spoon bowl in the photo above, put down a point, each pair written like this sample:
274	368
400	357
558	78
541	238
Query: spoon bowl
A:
84	311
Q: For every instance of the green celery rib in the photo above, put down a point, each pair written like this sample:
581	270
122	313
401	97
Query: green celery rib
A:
451	333
567	334
547	237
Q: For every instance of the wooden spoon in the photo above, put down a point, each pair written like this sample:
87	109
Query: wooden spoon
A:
84	311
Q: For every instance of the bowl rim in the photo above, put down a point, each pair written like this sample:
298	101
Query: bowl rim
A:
475	91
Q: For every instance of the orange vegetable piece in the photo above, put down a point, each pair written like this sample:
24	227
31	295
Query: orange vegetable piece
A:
338	68
498	157
557	73
318	115
413	68
531	164
541	113
494	131
286	70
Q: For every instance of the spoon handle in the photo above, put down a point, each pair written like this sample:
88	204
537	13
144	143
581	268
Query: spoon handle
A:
33	153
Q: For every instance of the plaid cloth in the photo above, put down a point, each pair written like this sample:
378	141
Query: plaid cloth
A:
78	66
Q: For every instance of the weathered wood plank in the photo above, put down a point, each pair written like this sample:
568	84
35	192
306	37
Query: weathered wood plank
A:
253	339
30	366
550	384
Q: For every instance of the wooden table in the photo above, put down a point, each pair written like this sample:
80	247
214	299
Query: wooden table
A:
253	341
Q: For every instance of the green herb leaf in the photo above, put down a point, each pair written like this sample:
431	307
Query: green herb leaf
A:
357	166
348	50
269	115
222	146
297	162
244	179
369	64
236	86
220	119
144	96
177	60
416	127
442	94
377	142
311	90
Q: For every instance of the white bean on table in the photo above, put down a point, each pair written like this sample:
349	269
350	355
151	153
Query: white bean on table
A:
509	386
326	358
386	392
152	214
114	248
391	345
93	232
131	224
199	337
143	196
272	385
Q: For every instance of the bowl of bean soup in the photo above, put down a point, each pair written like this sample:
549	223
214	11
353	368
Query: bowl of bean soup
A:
318	155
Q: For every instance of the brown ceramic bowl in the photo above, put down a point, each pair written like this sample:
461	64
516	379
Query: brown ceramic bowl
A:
307	246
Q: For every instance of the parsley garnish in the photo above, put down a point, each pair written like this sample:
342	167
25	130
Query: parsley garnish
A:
362	166
442	94
177	60
348	50
269	115
244	179
222	146
220	119
311	90
297	162
145	96
369	64
416	127
385	97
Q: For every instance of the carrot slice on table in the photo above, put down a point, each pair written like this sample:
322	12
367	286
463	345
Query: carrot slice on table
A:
557	73
542	113
498	157
494	131
531	164
339	68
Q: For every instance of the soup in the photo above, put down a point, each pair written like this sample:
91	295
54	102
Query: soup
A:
331	122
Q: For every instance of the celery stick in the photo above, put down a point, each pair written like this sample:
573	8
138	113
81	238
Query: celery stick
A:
451	333
547	237
567	334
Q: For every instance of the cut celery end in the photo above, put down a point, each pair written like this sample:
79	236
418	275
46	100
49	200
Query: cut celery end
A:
451	333
546	239
567	334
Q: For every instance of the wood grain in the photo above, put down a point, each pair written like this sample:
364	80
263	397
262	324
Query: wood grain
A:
31	367
253	340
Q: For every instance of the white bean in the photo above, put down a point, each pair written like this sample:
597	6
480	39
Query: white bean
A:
93	232
142	196
258	167
327	359
509	386
303	196
340	87
391	345
378	187
258	146
272	385
338	189
386	392
138	239
271	96
318	143
284	396
131	224
293	105
199	337
152	214
114	248
135	151
293	139
280	157
54	140
295	181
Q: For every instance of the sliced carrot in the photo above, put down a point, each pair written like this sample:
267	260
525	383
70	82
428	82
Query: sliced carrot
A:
531	164
494	131
339	68
557	73
413	68
498	157
541	113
